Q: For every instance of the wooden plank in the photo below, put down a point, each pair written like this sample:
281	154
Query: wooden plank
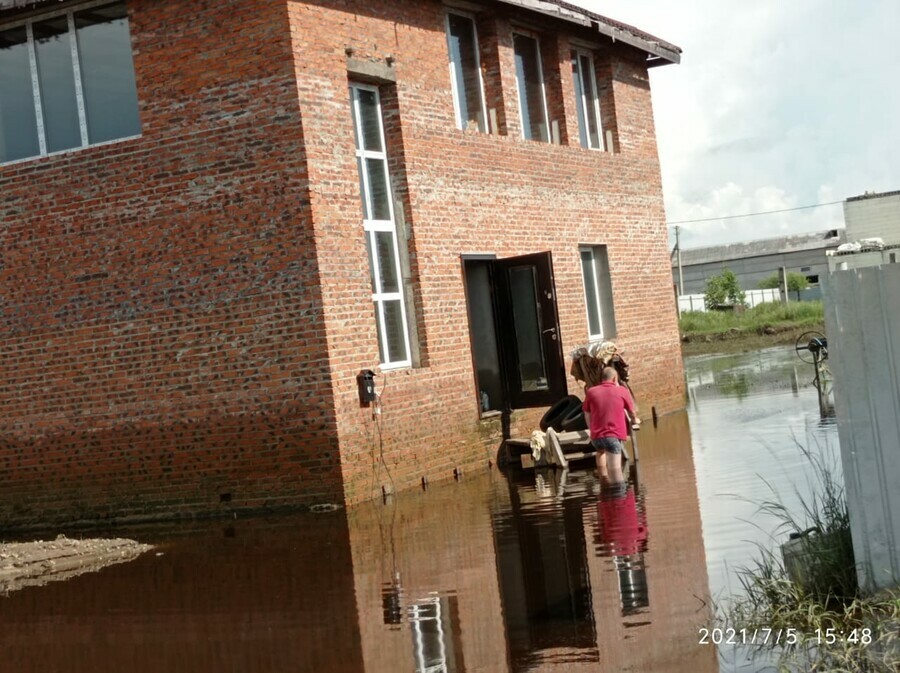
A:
572	437
580	455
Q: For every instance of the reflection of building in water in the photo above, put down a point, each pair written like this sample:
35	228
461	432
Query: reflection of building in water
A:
511	573
257	596
545	583
489	575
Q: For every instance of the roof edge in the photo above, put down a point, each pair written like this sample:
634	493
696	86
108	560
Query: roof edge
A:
873	195
618	31
659	51
728	252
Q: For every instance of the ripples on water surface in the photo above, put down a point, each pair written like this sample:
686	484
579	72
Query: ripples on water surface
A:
750	414
531	572
498	573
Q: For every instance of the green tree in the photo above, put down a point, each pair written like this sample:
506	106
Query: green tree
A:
723	290
768	283
796	282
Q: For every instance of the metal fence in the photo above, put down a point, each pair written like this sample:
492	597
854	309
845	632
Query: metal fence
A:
694	302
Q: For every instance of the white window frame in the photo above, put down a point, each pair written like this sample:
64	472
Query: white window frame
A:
584	102
597	293
544	110
457	107
416	617
69	13
371	226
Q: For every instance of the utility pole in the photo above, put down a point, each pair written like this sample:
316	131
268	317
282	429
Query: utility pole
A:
678	250
783	284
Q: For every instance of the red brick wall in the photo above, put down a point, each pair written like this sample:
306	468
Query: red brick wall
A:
162	323
161	330
468	192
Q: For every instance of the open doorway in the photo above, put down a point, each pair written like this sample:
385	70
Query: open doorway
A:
514	331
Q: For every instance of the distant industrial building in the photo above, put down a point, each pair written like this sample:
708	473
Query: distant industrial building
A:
872	223
752	261
873	215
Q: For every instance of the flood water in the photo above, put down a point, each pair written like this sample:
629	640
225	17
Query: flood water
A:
753	416
497	573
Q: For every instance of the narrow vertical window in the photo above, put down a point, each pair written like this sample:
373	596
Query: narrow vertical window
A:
598	297
530	81
107	73
465	72
18	120
380	228
590	132
66	81
56	78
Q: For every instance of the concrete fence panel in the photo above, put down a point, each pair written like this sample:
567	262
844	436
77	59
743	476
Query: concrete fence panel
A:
862	320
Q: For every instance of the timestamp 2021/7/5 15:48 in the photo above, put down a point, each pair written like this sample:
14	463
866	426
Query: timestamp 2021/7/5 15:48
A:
784	636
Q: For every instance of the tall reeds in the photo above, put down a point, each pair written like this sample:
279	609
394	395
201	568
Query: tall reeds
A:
810	595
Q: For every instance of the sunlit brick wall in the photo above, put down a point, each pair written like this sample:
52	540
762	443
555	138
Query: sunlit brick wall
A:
468	192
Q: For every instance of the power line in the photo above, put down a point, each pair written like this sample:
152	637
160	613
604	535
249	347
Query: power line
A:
764	212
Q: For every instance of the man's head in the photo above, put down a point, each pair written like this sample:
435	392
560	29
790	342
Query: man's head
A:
609	374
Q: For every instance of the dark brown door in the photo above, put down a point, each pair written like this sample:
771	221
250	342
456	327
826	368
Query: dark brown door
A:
528	330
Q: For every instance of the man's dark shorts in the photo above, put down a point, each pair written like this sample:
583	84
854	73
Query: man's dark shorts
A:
608	444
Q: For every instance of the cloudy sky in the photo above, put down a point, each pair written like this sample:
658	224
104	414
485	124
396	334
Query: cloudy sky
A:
776	104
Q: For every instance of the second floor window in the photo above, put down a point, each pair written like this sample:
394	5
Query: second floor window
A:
590	131
530	81
465	72
66	81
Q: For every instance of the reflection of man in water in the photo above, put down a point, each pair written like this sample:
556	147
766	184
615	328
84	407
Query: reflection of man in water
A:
607	409
623	536
623	527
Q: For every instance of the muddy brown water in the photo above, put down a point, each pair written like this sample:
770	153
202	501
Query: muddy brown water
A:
497	573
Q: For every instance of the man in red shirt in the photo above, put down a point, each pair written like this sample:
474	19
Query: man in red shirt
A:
608	408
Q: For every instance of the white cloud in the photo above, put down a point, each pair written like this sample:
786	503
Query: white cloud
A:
775	105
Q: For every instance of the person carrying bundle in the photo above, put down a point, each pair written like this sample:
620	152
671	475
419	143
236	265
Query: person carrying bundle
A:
608	408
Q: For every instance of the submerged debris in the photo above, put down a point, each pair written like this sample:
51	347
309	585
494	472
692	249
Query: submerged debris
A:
324	507
25	564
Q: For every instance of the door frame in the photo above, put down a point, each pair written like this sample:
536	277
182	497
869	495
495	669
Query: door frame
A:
514	397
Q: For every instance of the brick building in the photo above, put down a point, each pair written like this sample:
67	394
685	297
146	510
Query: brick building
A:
214	215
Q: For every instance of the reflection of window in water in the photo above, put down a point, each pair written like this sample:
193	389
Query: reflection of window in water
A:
436	646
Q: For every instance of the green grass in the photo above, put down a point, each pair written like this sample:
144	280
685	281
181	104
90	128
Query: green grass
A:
755	320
